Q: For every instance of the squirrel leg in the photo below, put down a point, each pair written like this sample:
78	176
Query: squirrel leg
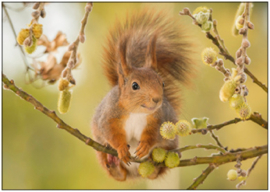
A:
112	165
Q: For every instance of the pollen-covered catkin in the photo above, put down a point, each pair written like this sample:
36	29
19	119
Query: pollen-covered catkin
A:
167	130
64	101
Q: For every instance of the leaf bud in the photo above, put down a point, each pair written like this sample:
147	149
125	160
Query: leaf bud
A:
247	60
250	25
245	43
43	13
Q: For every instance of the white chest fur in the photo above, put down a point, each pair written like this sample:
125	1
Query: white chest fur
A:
135	125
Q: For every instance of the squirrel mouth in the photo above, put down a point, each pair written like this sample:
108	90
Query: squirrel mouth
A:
149	108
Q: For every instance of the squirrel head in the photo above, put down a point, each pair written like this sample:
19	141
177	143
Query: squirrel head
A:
141	89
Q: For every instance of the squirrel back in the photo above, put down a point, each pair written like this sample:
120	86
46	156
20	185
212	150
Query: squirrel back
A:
173	50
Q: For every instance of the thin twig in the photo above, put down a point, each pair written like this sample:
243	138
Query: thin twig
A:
248	172
216	139
255	117
210	146
224	53
14	33
199	180
219	159
66	73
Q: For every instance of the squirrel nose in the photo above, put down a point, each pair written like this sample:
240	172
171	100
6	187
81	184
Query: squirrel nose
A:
156	100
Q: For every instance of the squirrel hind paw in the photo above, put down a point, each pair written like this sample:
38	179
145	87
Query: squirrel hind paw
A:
112	161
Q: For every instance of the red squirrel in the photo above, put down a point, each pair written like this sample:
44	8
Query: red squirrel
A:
144	59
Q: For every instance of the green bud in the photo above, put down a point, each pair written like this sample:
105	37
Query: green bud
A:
200	123
183	128
172	160
167	130
146	169
159	155
227	90
207	26
64	101
236	101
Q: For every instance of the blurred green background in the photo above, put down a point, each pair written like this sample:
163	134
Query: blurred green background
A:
37	155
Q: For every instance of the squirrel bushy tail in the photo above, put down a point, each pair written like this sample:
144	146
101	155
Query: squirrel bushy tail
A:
173	49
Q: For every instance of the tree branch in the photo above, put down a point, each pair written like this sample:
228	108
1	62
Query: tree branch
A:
219	159
199	180
216	139
210	146
255	117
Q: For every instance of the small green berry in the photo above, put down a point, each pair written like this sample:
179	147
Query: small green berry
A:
209	56
146	169
232	175
236	101
244	111
172	160
207	26
167	130
227	90
183	128
159	155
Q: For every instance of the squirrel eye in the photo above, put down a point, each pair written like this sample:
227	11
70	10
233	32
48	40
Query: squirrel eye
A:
163	84
135	86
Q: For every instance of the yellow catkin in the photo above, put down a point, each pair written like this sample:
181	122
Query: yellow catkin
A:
37	30
23	34
64	101
209	56
32	48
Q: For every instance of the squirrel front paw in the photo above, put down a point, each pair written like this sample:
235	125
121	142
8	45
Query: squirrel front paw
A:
123	153
143	149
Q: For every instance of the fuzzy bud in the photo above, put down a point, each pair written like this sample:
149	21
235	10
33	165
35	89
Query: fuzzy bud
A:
37	30
250	25
232	175
207	26
200	123
245	43
247	60
209	56
35	14
242	30
23	34
239	61
239	22
159	155
227	90
63	84
183	128
242	78
172	160
202	17
201	9
167	130
238	53
32	48
36	5
43	13
146	169
236	101
244	111
64	101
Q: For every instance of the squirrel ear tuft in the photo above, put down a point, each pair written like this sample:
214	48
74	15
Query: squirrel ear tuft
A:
150	57
123	69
